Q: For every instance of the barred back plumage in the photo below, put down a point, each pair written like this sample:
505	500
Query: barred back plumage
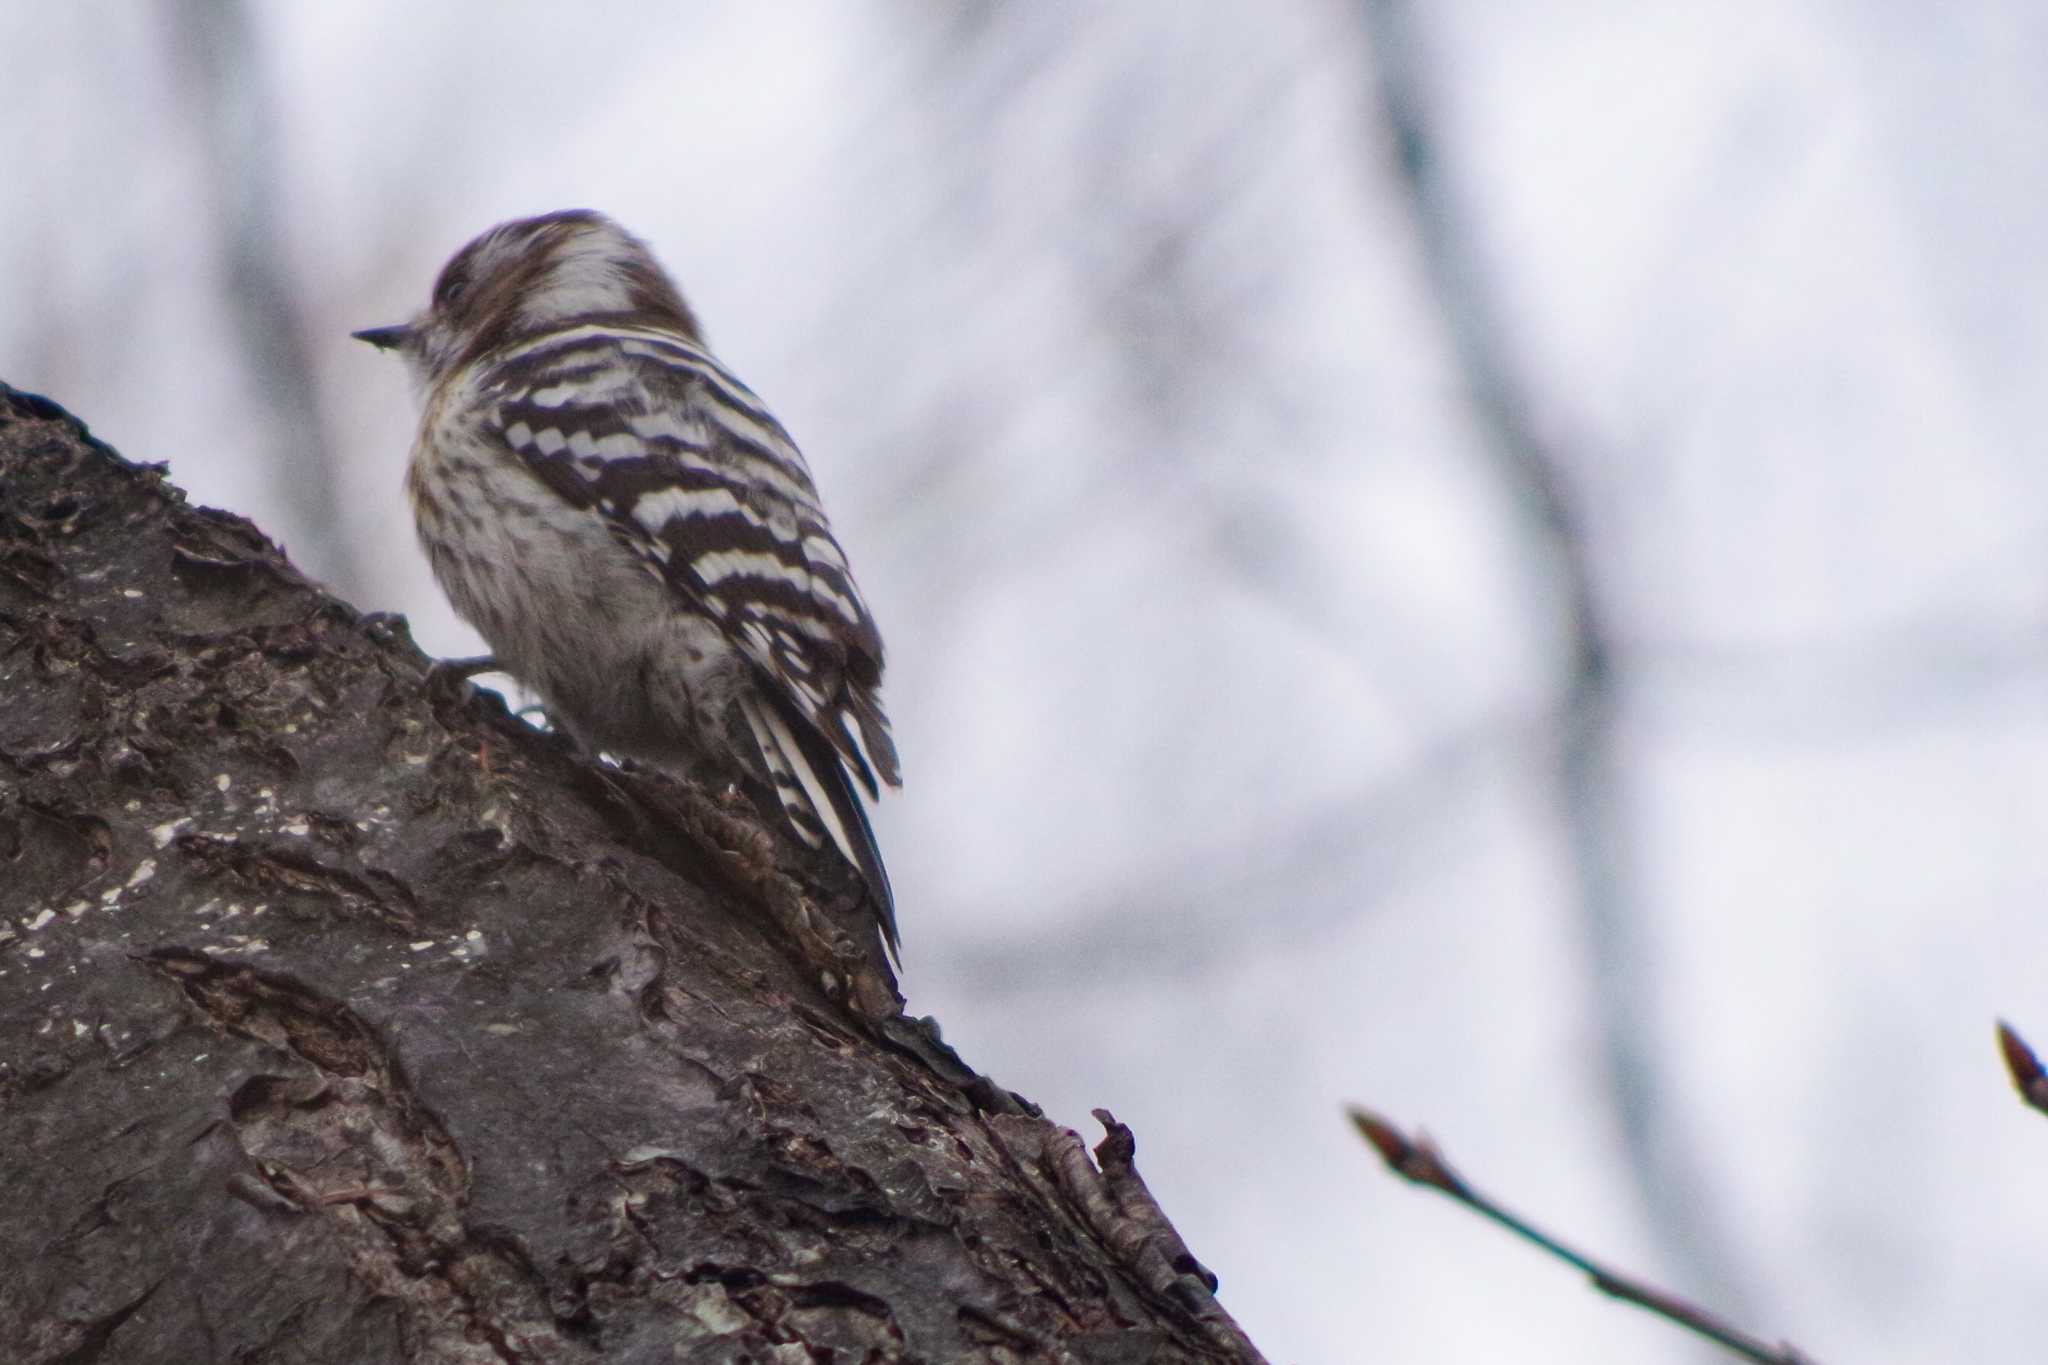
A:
635	534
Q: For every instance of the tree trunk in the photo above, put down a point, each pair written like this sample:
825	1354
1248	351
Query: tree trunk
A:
345	1017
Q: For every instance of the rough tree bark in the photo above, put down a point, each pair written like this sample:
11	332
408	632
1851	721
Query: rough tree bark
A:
344	1017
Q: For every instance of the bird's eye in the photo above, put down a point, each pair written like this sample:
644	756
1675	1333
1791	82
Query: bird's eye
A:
449	292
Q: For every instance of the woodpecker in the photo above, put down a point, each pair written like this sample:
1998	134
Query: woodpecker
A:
635	535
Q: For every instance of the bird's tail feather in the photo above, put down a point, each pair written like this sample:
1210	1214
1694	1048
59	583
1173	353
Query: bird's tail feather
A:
819	800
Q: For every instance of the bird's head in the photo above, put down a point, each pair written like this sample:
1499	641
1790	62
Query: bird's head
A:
530	276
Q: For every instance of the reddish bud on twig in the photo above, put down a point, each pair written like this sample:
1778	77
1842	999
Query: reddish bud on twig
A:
2027	1075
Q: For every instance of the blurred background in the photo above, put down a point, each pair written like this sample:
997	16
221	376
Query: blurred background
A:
1485	560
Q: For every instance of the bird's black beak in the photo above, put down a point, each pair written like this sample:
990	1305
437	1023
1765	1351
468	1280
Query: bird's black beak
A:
384	338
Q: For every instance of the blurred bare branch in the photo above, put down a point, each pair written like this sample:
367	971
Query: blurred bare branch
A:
1179	922
1666	1173
219	62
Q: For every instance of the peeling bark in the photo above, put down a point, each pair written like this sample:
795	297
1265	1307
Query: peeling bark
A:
345	1017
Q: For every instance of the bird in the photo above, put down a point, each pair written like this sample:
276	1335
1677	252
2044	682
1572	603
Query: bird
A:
636	536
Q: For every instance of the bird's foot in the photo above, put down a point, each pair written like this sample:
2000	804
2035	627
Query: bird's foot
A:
446	678
462	669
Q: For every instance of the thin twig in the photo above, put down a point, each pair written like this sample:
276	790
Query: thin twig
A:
1418	1160
2027	1075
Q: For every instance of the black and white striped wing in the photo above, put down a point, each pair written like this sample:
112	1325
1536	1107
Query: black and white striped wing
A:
694	473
